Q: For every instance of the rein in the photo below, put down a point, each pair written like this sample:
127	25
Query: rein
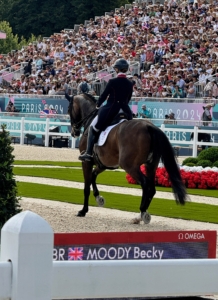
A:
82	122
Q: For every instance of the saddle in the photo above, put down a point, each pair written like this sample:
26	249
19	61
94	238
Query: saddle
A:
119	118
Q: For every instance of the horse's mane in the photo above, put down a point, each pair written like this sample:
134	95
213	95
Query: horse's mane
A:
90	97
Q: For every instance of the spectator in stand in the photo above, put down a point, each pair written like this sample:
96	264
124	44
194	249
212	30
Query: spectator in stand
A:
144	112
172	119
149	59
191	91
11	108
84	87
177	92
180	36
206	116
166	120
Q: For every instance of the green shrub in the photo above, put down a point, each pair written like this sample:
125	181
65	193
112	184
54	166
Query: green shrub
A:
9	204
188	160
190	164
209	154
215	164
204	163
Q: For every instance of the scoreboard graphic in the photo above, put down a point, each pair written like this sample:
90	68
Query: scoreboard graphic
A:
135	245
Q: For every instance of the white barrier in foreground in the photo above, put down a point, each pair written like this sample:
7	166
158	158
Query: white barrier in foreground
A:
28	272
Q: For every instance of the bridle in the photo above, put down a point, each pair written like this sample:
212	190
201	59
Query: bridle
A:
84	122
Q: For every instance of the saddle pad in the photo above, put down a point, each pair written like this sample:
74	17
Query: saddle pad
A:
104	134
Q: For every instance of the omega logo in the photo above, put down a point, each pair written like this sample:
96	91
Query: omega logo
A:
191	236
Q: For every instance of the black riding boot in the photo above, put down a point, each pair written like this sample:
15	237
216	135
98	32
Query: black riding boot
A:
92	138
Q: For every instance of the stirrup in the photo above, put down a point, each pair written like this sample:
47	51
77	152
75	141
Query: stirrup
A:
85	157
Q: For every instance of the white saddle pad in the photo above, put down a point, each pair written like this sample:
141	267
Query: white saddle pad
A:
104	134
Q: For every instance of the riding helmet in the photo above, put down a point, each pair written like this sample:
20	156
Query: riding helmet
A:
122	65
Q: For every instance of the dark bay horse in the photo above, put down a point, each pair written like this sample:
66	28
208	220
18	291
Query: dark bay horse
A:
129	145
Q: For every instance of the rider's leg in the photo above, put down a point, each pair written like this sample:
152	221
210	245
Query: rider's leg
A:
91	140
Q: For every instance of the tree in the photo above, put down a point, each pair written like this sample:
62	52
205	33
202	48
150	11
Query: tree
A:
86	9
11	42
43	18
9	202
40	17
5	8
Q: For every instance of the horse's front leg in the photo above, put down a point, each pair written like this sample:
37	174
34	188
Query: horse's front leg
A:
87	174
99	199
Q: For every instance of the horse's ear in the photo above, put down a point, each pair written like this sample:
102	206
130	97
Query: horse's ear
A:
70	99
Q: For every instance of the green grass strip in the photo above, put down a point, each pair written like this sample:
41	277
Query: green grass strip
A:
158	207
48	163
112	178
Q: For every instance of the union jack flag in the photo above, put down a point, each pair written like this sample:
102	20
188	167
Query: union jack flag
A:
43	114
75	253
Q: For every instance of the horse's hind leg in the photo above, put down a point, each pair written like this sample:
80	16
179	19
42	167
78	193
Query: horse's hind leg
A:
148	187
87	173
147	195
143	180
150	172
99	199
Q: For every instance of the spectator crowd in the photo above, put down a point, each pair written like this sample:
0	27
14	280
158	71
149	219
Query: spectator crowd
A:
175	45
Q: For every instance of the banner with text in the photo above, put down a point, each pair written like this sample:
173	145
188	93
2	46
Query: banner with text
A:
137	245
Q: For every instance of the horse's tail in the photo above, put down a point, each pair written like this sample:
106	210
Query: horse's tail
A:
163	149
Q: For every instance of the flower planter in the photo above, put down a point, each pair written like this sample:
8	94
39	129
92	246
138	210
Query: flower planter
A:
193	177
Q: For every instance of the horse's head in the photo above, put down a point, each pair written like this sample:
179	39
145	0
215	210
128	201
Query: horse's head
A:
75	117
79	108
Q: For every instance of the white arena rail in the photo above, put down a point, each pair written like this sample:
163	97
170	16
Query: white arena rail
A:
46	123
19	128
27	270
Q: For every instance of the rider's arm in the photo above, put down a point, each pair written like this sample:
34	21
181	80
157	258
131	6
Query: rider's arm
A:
104	95
130	94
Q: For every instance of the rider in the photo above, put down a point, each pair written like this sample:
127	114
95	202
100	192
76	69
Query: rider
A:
118	93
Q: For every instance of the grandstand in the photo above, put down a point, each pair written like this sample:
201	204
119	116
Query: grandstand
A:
172	48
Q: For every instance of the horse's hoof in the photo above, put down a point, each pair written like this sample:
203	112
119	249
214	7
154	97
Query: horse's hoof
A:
100	201
146	217
81	214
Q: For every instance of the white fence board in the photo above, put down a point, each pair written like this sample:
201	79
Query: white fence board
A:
47	122
114	279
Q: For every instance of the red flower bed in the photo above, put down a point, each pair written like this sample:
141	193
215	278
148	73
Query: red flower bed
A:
194	180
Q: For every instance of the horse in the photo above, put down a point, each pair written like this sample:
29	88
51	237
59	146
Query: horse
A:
129	145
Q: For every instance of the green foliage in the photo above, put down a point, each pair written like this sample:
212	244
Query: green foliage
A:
188	160
204	163
41	17
46	17
11	42
86	9
215	164
9	205
190	164
209	154
5	7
